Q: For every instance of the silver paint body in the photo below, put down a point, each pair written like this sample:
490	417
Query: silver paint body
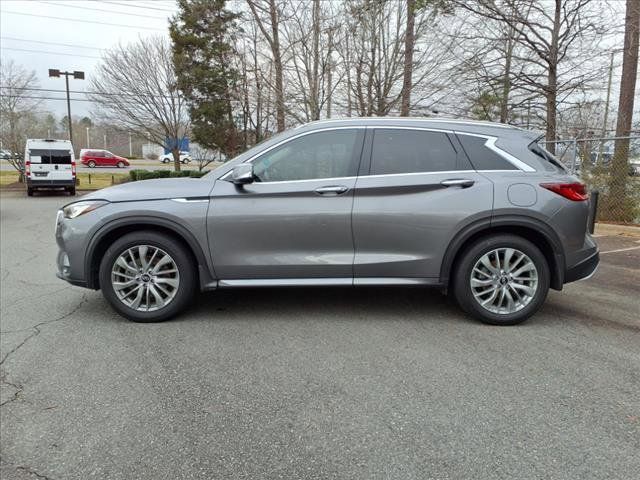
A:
384	229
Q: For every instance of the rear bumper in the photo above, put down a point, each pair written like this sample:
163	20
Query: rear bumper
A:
583	270
50	183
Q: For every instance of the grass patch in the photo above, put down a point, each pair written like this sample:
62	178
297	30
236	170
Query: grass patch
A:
7	177
86	181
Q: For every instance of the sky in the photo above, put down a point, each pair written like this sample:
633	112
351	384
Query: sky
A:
66	44
69	35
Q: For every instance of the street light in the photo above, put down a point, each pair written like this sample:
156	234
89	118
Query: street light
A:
53	72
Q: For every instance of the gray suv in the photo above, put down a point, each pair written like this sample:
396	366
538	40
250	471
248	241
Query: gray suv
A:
476	209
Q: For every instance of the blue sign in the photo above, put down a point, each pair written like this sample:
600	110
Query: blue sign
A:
170	143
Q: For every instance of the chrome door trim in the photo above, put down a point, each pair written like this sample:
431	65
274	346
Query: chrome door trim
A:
285	282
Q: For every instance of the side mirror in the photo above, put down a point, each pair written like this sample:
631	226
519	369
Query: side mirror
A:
242	174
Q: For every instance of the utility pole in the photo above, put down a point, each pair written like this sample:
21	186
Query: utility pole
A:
606	105
88	144
77	75
130	150
105	141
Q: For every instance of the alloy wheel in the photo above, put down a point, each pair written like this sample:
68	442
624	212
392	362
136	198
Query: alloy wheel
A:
504	280
145	278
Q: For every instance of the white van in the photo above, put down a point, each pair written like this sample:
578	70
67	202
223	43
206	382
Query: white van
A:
49	164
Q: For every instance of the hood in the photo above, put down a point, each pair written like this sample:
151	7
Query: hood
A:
158	189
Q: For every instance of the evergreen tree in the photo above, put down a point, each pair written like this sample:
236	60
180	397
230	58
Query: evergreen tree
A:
202	33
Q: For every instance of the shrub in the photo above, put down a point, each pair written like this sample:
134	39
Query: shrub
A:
147	175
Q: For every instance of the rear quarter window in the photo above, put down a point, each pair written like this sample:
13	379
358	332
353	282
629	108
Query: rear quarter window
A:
481	156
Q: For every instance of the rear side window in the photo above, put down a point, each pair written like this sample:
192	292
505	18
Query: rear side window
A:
411	151
482	157
60	157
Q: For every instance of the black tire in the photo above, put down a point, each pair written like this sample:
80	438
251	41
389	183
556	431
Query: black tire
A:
120	165
184	263
72	191
91	164
30	192
463	270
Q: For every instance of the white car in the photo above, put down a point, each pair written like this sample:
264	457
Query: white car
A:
168	157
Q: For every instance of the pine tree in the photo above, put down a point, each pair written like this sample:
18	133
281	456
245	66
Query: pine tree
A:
202	34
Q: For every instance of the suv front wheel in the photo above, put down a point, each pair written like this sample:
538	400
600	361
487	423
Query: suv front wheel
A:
147	276
501	279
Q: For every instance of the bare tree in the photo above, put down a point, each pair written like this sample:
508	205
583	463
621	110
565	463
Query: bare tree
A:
548	34
267	17
308	33
135	88
17	106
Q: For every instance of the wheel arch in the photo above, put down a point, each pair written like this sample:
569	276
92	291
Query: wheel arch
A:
531	229
116	228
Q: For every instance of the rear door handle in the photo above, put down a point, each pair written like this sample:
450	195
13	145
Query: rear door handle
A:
331	190
457	182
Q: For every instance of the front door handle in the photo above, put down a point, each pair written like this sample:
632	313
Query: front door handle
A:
458	182
331	190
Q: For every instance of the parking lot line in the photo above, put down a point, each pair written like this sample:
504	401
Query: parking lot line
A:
620	250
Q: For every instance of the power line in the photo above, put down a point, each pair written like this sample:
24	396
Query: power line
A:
50	53
138	6
102	10
51	43
85	21
85	92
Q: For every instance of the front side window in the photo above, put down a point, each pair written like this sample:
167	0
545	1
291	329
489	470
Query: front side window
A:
328	154
411	151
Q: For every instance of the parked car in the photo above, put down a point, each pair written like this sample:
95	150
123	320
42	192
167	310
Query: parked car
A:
6	154
49	164
168	157
101	158
479	210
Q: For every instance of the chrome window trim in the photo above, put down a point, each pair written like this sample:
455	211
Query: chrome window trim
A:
491	145
443	172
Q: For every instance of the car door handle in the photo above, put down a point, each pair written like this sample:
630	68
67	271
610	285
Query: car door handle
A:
457	182
331	190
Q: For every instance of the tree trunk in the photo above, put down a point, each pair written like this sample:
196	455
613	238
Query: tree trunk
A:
506	82
620	165
409	42
552	79
277	60
175	151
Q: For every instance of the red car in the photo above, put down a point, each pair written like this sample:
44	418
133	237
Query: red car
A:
102	158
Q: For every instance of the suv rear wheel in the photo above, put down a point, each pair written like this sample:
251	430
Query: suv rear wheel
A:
501	279
147	276
91	164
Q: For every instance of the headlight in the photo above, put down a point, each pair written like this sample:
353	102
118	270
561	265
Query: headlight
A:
80	208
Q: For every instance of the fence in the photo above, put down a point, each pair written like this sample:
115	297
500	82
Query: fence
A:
617	178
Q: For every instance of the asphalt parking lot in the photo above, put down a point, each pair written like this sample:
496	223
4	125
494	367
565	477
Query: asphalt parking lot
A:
333	383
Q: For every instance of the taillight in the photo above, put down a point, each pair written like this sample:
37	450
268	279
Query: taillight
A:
73	168
27	168
576	192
